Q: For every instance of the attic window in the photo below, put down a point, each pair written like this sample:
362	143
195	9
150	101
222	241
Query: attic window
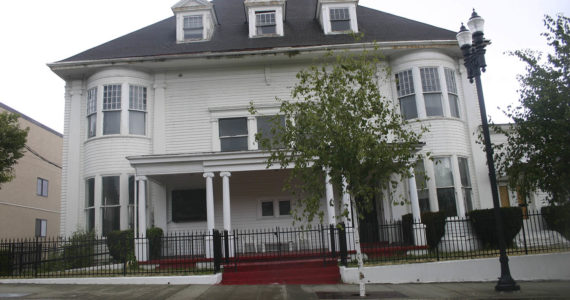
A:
265	22
340	19
193	27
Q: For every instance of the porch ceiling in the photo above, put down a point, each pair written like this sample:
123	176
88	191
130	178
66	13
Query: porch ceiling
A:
165	164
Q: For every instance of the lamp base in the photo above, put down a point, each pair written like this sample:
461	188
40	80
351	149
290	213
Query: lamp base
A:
507	285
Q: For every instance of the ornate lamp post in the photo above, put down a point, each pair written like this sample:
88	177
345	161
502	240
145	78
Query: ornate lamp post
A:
473	46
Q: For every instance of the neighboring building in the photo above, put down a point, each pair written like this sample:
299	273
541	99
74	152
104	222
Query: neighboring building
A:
162	113
30	203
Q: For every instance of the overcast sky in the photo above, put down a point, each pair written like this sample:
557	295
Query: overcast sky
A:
36	32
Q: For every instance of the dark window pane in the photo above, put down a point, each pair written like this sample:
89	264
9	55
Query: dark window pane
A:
433	105
271	29
408	107
446	201
284	208
454	106
423	198
233	143
90	219
137	124
340	25
90	192
189	205
266	209
112	122
111	190
131	189
233	126
111	219
464	172
467	199
266	126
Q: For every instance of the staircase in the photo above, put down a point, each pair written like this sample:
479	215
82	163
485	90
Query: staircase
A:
306	271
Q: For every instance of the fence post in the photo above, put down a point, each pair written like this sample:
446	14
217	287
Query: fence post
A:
342	245
217	251
227	246
333	240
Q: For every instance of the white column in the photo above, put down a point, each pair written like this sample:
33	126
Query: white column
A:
414	196
209	201
346	202
330	199
142	206
141	243
226	199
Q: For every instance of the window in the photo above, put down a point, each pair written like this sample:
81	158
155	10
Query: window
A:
465	183
90	204
445	187
421	186
233	134
112	109
406	94
41	228
432	91
137	110
189	205
42	187
92	112
275	208
452	92
340	19
266	127
193	28
111	207
265	22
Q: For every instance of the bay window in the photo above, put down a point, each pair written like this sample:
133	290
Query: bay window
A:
452	92
445	186
112	109
137	110
431	91
92	112
110	206
406	94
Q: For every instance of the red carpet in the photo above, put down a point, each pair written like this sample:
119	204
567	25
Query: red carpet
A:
313	271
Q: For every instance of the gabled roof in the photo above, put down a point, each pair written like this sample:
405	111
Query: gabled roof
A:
231	35
185	4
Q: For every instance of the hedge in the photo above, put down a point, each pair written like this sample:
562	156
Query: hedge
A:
435	227
6	262
121	245
154	236
80	249
484	224
558	218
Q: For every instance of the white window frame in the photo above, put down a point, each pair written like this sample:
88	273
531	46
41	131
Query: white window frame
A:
90	209
260	24
452	92
452	186
405	89
335	18
276	214
92	112
324	16
42	187
138	100
431	85
104	204
252	20
466	185
245	135
41	224
196	28
112	106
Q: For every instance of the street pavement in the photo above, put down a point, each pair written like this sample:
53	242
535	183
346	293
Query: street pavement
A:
529	290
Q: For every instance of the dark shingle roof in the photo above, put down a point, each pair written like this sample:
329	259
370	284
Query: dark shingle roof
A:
301	30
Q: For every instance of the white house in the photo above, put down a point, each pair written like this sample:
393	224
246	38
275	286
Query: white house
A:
161	115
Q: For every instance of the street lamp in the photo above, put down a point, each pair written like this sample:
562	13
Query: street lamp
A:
473	45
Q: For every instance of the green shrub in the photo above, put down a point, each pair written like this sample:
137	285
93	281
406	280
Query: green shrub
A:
484	224
408	229
6	262
121	245
79	250
435	227
154	236
558	218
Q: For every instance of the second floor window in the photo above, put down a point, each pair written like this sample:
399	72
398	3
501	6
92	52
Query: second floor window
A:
193	28
92	112
265	22
266	126
137	110
340	19
406	94
233	134
432	91
452	92
112	109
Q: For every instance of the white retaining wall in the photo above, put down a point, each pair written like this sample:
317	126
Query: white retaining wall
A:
526	267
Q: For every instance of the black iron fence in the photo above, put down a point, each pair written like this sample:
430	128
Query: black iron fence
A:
407	240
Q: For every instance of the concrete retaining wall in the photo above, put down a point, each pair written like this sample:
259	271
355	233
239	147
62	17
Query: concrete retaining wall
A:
174	280
527	267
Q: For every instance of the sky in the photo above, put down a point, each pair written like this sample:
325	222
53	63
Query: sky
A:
37	32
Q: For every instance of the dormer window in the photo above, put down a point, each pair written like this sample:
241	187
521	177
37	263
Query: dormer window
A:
193	28
265	22
340	19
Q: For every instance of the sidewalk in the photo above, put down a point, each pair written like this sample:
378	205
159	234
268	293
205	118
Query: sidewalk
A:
529	290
